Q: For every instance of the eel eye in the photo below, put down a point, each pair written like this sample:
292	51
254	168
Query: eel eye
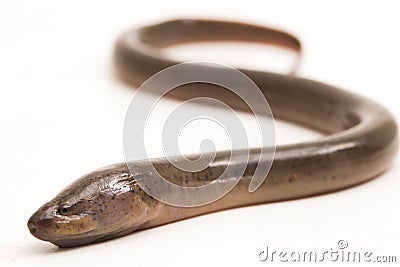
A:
63	210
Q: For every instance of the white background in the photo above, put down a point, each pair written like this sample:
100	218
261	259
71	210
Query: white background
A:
62	110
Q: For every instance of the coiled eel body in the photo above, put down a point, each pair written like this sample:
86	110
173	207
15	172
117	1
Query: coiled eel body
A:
360	142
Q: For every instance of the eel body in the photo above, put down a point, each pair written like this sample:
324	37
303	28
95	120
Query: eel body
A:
360	142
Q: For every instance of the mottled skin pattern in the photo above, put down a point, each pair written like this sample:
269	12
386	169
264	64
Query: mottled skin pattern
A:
360	144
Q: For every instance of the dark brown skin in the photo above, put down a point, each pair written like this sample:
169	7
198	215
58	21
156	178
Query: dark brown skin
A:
360	142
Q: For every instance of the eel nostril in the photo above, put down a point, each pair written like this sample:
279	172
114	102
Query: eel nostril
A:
32	228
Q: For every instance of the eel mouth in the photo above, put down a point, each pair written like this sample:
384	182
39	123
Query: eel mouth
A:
75	240
79	240
62	241
39	223
69	241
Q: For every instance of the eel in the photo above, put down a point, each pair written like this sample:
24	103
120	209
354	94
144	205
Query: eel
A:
359	143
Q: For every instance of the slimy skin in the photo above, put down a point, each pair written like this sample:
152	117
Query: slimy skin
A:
360	142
